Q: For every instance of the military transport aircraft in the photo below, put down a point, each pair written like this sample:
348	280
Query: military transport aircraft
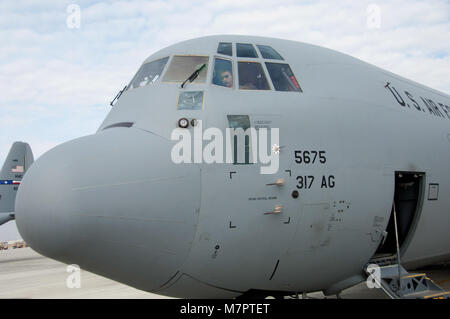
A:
359	190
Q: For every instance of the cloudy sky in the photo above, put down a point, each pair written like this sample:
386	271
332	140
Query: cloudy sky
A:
59	73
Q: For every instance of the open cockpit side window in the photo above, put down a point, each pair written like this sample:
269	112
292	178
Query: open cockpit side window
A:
282	77
223	73
251	76
148	73
183	66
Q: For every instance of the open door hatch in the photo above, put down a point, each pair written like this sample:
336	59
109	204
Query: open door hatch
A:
407	203
394	280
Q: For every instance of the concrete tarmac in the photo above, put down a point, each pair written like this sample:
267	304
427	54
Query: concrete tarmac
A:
26	274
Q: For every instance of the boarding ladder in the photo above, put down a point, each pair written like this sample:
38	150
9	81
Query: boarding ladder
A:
410	286
388	274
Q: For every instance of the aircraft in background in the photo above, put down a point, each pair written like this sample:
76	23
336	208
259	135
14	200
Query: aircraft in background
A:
360	187
19	158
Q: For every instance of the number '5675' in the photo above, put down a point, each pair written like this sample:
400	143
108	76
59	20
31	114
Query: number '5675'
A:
310	157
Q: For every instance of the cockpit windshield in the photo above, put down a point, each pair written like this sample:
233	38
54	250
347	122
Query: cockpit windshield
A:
282	77
183	66
255	73
245	50
148	73
268	52
251	76
225	48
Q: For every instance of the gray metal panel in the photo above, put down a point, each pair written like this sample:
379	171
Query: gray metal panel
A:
188	287
250	242
114	204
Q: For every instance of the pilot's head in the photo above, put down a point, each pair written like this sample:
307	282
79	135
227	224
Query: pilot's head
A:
226	78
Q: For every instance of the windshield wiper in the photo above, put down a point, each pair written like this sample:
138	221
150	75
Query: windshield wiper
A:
194	75
118	95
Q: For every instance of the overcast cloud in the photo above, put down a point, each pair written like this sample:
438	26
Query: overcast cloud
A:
57	82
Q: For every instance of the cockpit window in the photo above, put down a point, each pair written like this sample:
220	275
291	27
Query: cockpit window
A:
252	77
223	72
225	48
190	100
242	153
268	52
244	50
182	66
148	73
282	77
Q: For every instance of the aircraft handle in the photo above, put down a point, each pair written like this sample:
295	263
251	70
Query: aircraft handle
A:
279	182
277	210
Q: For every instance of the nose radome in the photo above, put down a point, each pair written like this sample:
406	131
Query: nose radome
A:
115	204
42	204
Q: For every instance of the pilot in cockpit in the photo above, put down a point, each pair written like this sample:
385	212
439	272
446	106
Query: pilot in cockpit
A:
223	77
223	74
226	78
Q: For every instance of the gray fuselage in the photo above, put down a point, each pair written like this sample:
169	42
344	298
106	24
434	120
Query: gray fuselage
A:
117	205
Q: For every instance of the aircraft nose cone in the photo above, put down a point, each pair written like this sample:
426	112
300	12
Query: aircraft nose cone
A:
42	205
113	203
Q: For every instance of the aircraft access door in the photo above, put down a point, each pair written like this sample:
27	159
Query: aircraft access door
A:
246	218
246	228
407	203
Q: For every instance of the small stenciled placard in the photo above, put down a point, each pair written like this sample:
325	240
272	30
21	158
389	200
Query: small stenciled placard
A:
190	100
433	191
